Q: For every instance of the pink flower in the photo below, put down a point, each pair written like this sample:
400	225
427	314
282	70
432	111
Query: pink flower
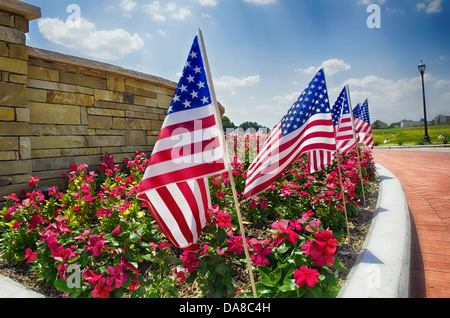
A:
30	255
127	264
223	219
307	276
96	244
116	276
283	231
235	245
313	226
190	261
259	253
33	181
91	277
116	230
102	290
63	253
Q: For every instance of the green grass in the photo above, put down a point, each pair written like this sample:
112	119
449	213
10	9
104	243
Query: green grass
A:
409	136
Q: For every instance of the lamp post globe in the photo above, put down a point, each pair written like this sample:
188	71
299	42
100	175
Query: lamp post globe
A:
422	68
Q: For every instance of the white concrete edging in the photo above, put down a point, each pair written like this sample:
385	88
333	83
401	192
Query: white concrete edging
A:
382	268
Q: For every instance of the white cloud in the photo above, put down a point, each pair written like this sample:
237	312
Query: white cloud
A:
430	6
161	13
331	67
128	5
98	44
208	3
230	83
367	2
261	2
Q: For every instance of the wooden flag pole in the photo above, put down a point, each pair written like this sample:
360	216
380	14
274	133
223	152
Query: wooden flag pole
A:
357	148
230	172
360	173
343	194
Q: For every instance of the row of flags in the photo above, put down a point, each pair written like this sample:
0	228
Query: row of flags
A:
191	147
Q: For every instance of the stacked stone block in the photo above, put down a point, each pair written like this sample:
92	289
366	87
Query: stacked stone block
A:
15	142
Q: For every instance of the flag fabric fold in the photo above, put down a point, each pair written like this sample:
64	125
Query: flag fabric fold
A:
343	123
363	126
307	127
188	150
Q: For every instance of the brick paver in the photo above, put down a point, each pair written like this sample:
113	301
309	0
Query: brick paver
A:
425	176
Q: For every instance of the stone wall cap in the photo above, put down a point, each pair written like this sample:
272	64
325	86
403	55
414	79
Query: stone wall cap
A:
95	65
28	11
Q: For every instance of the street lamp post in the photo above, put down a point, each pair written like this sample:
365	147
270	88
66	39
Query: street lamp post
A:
426	138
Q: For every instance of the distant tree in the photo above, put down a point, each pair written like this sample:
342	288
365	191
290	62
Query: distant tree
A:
395	125
246	125
227	123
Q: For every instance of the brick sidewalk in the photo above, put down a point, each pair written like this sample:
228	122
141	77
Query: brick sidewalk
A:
425	176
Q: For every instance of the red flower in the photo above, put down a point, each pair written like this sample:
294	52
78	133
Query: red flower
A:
35	220
116	276
259	253
190	261
33	181
30	255
134	284
91	277
307	276
322	249
223	219
283	231
96	244
235	245
102	290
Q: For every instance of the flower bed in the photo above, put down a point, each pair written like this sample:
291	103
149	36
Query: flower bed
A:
95	239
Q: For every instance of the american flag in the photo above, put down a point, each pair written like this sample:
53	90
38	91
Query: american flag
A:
363	127
306	127
189	149
343	123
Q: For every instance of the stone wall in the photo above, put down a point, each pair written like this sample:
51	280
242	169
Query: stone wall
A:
81	109
57	110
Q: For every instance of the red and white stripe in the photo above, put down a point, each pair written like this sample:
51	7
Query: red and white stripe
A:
186	149
279	151
181	210
345	134
364	133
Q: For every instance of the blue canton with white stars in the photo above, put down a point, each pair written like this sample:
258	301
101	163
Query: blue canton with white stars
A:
313	100
364	115
341	107
193	90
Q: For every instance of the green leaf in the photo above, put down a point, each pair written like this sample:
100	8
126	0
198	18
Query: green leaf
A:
61	284
338	264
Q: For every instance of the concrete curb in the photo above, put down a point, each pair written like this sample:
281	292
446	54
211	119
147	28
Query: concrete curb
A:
382	269
12	289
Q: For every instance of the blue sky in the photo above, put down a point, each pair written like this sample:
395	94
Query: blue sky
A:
263	53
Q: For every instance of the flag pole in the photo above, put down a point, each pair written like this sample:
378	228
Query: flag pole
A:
357	148
342	193
230	172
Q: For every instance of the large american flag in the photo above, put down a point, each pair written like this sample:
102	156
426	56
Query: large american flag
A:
343	123
307	127
363	127
189	149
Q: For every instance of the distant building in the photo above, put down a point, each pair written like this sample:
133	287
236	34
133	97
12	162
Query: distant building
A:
411	123
442	120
